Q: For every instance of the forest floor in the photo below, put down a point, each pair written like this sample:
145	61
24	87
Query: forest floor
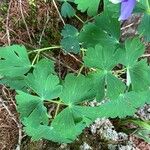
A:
40	26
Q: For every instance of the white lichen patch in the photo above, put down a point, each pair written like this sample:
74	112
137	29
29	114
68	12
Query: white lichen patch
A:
85	146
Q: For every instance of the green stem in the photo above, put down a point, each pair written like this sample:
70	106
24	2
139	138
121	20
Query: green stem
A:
56	102
57	109
36	56
128	77
80	70
44	49
79	19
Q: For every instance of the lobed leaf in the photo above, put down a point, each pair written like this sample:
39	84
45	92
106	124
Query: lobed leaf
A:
67	10
87	5
70	42
43	82
144	27
76	89
14	61
31	109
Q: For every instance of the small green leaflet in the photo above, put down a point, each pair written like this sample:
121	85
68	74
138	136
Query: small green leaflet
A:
67	10
62	129
101	57
112	8
144	27
76	89
90	35
67	125
43	82
144	6
113	25
143	131
87	5
98	33
17	83
99	84
31	109
70	42
137	71
104	60
134	48
14	61
140	76
125	105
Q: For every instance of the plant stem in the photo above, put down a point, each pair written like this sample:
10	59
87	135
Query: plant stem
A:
56	102
79	19
36	56
57	109
80	70
44	49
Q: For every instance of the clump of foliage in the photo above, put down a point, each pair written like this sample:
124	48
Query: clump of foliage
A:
117	74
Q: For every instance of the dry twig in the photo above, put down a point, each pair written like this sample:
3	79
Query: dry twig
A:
55	5
7	23
23	18
16	122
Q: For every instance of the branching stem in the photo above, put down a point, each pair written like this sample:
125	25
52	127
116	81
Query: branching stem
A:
44	49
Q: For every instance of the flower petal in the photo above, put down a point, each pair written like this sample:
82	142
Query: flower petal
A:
127	7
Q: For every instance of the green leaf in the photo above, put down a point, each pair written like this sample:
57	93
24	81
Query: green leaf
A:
143	131
134	48
17	83
67	10
104	60
110	25
92	34
101	57
125	105
63	129
137	72
140	76
14	61
143	6
99	84
112	8
144	27
87	5
106	84
42	82
70	42
114	86
85	114
100	33
64	123
31	109
76	89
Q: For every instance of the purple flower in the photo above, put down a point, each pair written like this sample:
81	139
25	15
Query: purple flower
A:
127	7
